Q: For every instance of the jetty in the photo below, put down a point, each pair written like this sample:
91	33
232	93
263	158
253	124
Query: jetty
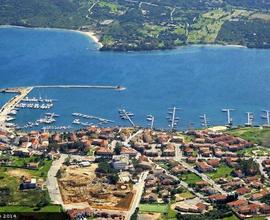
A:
18	89
118	87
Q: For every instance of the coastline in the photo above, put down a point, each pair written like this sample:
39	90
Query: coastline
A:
89	34
92	36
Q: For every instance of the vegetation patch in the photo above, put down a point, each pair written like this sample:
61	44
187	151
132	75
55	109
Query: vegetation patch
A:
159	208
221	171
190	178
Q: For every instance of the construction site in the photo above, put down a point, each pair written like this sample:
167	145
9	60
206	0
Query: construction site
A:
82	185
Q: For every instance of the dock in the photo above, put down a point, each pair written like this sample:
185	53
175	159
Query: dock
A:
126	116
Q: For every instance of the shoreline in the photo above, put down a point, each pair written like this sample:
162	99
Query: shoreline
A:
90	34
93	36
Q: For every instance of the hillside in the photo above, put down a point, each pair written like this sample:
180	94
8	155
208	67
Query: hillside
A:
151	24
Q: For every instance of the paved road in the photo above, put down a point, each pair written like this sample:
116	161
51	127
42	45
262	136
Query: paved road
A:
52	183
126	142
139	187
203	176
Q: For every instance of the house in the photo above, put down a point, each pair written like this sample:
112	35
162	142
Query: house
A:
217	198
3	147
260	195
79	213
197	208
237	203
178	170
201	184
151	197
104	152
266	163
33	166
169	151
21	152
213	162
128	151
151	153
191	159
85	164
28	184
203	167
120	162
188	151
100	142
242	190
177	139
249	209
265	209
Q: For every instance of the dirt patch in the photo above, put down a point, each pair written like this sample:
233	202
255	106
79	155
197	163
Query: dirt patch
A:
149	216
78	185
19	173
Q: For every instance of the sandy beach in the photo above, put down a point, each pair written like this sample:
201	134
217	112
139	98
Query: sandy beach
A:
93	36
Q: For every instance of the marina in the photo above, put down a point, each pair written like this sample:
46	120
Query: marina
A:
202	80
21	101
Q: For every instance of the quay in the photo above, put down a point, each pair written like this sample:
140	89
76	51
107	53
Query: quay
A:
11	104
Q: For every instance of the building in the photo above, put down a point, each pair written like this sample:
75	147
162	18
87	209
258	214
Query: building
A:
120	162
28	184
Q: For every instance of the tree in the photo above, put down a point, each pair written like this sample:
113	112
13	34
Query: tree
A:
135	214
113	178
117	148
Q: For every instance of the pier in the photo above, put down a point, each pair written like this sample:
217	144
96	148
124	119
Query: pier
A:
126	116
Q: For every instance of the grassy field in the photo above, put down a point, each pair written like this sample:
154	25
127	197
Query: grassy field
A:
11	195
190	178
207	26
186	195
41	172
15	196
113	7
159	208
222	171
48	208
233	217
255	135
171	214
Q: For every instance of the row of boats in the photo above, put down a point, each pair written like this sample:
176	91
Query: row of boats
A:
100	121
49	118
43	106
103	120
56	127
40	99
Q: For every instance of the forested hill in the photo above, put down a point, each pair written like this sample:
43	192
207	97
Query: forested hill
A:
149	24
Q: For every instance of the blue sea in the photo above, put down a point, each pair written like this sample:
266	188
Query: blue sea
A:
197	79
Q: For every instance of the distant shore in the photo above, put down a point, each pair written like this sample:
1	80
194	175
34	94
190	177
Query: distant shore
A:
93	36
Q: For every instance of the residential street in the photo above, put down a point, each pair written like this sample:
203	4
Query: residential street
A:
52	183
